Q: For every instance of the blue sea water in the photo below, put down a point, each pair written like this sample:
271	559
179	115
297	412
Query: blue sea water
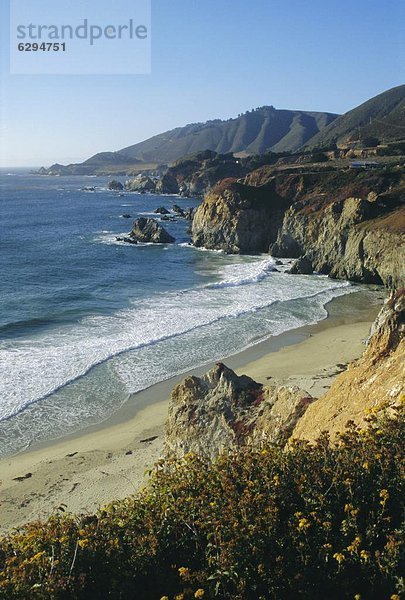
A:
85	321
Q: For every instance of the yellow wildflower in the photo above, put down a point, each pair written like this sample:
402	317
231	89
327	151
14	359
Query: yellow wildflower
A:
339	557
83	543
366	466
395	597
199	593
364	555
384	494
164	598
179	597
357	597
304	524
276	479
264	452
183	571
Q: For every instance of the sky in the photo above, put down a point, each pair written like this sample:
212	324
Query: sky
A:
209	59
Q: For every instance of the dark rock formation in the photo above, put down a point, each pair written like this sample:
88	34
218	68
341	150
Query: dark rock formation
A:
127	239
221	410
177	209
140	184
162	211
126	216
115	185
195	174
238	218
167	184
302	266
148	230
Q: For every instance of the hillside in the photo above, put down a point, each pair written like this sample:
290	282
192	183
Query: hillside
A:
382	116
254	132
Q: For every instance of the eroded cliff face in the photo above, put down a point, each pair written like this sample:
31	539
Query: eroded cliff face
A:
350	225
347	239
221	410
374	381
240	218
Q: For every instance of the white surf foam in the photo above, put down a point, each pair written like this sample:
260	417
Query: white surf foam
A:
34	368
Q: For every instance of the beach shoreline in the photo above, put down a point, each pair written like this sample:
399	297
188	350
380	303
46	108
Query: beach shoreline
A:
108	461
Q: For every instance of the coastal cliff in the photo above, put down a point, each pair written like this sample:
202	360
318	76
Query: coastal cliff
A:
349	224
222	411
375	381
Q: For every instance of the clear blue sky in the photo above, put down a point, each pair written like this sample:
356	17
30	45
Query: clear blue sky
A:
210	59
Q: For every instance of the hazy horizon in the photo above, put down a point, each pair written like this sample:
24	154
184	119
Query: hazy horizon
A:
208	61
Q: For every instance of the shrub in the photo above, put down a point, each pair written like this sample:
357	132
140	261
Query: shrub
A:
313	521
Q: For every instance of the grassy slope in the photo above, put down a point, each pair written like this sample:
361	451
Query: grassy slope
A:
387	114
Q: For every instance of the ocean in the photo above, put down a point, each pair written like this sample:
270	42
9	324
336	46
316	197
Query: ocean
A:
86	321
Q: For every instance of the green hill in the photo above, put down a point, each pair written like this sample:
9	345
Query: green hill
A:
254	132
382	116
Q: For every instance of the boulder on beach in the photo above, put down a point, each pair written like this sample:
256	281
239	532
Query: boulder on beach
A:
302	266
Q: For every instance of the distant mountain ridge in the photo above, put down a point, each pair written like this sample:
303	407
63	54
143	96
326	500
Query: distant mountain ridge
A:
254	132
257	131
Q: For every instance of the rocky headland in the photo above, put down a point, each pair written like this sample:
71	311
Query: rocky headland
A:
347	223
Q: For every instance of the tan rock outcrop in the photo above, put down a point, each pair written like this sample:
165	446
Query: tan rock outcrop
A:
222	411
374	381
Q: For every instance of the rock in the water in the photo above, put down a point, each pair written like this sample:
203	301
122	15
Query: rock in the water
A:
167	184
127	239
115	185
222	410
126	216
302	266
148	230
177	209
162	211
142	184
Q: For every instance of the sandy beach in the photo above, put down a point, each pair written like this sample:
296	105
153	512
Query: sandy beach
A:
111	460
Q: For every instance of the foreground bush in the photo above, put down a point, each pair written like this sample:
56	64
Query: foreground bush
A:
310	522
